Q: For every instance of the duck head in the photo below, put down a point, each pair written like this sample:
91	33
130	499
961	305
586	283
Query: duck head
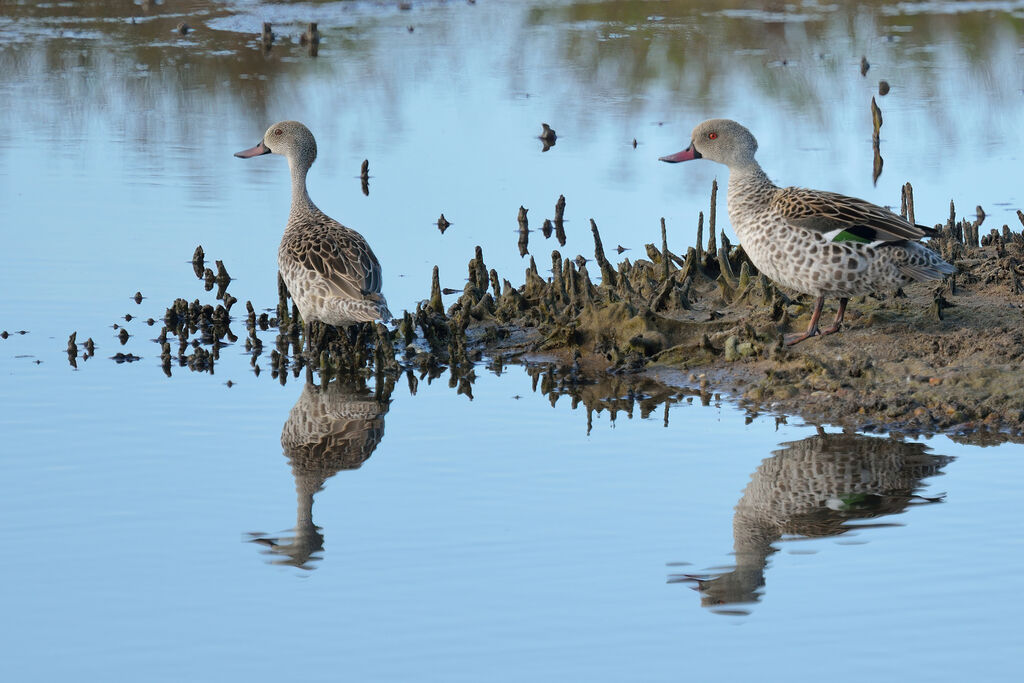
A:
721	140
289	138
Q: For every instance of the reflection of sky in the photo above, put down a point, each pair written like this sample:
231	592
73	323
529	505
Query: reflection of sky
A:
541	553
467	545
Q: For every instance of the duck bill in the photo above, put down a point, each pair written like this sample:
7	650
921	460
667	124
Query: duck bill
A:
687	154
253	151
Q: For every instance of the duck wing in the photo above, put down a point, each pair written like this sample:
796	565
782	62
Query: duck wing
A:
340	255
841	218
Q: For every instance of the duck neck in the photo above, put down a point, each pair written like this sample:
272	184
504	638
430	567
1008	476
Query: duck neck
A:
748	183
301	203
750	191
749	174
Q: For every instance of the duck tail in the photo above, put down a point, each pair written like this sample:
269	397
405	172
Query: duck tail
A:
923	264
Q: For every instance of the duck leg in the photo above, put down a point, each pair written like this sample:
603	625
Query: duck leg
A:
839	318
812	329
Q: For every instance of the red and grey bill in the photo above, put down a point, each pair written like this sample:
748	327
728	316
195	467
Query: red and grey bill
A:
253	151
687	154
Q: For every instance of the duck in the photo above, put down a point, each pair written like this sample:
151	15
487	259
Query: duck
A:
330	270
333	427
813	241
817	487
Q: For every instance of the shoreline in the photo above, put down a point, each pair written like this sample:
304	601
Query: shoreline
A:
934	358
943	357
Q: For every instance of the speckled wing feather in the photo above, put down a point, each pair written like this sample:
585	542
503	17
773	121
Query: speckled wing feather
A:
843	218
340	255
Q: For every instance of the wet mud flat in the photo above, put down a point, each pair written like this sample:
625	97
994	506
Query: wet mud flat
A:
929	359
666	327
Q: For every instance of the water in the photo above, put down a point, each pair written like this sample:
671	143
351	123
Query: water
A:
155	527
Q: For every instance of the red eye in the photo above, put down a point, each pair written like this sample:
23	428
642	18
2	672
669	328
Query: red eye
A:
277	132
712	136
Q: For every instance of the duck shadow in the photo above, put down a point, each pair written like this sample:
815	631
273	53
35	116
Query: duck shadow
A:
814	488
332	427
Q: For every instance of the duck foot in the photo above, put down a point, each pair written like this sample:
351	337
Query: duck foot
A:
838	322
791	339
812	329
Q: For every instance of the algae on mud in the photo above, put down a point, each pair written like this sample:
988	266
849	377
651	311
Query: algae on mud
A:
943	358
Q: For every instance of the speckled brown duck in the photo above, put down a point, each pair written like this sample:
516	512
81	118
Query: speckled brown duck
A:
331	273
816	242
816	487
329	429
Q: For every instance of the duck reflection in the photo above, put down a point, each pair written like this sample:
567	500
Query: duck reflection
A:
814	488
330	428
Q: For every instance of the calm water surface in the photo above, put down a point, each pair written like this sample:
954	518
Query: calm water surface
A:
177	528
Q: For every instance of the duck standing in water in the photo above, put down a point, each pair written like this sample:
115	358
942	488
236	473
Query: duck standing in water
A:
330	270
816	242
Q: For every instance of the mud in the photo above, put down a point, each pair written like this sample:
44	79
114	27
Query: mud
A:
923	360
670	327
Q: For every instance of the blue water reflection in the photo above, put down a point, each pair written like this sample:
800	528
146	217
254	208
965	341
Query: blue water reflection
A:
508	528
817	487
331	428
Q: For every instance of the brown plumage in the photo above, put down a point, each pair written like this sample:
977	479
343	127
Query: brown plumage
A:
813	488
825	212
331	428
330	271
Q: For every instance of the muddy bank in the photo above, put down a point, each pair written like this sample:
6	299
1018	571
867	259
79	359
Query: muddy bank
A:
923	360
669	327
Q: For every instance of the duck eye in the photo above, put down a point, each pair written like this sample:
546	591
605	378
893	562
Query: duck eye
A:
278	131
712	136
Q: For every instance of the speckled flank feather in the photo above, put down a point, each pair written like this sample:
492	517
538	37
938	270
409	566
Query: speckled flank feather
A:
797	252
333	428
331	273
